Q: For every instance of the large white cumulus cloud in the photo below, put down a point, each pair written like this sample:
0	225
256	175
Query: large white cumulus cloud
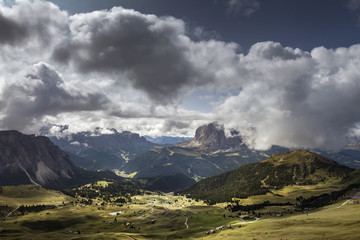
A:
295	98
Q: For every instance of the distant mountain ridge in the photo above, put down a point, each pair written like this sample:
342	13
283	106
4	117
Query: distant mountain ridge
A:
100	149
110	142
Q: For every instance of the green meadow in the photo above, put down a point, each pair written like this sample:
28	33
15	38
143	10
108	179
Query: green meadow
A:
154	216
329	222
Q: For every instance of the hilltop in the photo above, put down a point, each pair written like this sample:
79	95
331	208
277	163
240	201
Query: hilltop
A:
291	169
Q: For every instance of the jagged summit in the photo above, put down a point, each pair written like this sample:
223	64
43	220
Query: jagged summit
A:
212	138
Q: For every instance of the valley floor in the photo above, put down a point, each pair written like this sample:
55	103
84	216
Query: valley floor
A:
175	217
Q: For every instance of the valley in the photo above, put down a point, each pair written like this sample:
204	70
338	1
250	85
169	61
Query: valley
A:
238	192
165	216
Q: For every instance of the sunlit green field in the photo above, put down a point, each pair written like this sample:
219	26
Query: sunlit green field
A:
147	217
30	194
166	217
326	223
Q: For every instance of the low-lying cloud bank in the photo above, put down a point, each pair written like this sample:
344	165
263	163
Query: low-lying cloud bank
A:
124	69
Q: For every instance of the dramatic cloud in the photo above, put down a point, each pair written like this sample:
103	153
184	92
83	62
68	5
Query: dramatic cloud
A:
243	7
42	92
123	69
10	31
36	23
295	98
154	52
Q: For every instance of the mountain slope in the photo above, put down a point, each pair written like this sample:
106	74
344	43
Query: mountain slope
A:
190	162
30	159
94	160
166	183
292	168
27	159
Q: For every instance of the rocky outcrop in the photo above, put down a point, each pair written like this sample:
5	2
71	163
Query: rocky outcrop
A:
212	138
30	159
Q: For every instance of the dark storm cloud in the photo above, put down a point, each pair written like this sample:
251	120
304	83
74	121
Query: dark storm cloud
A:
150	50
37	22
10	31
40	93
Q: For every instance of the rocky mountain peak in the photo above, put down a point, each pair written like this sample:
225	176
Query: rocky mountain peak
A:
212	137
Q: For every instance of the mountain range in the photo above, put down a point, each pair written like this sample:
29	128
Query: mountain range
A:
30	159
102	149
210	152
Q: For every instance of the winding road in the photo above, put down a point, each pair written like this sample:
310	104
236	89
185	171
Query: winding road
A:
186	221
242	223
343	203
11	212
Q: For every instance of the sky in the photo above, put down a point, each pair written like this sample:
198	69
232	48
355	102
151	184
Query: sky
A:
280	72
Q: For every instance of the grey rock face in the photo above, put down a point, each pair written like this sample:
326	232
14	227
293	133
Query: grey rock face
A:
212	138
30	159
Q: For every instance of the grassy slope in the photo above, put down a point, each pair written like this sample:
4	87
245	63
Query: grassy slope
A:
28	195
326	223
191	162
292	174
170	213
